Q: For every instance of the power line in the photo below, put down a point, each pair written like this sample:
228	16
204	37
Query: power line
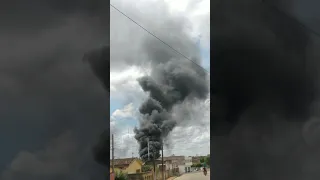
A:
159	39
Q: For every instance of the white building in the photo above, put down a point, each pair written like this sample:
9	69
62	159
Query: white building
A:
186	166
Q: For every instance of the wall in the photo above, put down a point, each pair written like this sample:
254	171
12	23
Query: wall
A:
133	167
188	161
141	176
181	169
166	175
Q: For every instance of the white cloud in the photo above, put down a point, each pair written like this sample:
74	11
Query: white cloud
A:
124	84
198	13
193	20
189	141
192	135
124	79
128	111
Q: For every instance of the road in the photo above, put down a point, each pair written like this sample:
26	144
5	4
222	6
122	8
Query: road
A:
194	176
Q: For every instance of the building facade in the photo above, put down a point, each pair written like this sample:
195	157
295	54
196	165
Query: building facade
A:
185	167
127	165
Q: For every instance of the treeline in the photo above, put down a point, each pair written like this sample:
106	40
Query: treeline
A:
204	161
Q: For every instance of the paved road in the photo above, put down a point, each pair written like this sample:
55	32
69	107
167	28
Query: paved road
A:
194	176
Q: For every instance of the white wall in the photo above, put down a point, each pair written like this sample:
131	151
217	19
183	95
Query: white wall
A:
182	169
188	161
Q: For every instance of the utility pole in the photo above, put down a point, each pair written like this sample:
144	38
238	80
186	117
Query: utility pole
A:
112	154
154	167
148	151
162	163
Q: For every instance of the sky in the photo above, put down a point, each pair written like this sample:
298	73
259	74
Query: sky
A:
128	62
53	107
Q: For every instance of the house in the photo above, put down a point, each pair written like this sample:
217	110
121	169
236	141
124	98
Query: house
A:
167	164
175	160
185	167
127	165
188	163
181	162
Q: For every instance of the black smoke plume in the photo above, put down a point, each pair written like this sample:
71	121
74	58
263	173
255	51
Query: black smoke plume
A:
101	149
99	60
263	87
261	61
172	81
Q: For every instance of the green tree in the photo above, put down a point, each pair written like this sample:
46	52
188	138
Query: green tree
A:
207	160
146	168
202	159
121	176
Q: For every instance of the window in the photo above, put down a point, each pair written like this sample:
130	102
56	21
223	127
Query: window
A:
138	171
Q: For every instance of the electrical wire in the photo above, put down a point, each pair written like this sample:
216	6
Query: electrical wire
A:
159	38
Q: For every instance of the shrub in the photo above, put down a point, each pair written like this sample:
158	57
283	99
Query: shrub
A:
121	176
146	168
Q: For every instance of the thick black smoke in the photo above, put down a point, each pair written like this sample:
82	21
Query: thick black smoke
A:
99	59
102	148
260	61
52	106
172	81
263	86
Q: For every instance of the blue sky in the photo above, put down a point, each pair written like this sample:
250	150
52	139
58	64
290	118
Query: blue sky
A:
205	56
115	104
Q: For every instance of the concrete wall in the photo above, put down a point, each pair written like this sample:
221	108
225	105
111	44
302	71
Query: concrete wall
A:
166	174
188	161
141	176
181	169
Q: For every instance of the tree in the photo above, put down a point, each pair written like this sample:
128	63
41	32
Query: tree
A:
202	159
196	165
207	160
146	168
121	176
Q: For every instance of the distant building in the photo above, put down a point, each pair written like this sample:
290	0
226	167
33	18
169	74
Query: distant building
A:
175	160
187	164
167	164
127	165
196	159
183	163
